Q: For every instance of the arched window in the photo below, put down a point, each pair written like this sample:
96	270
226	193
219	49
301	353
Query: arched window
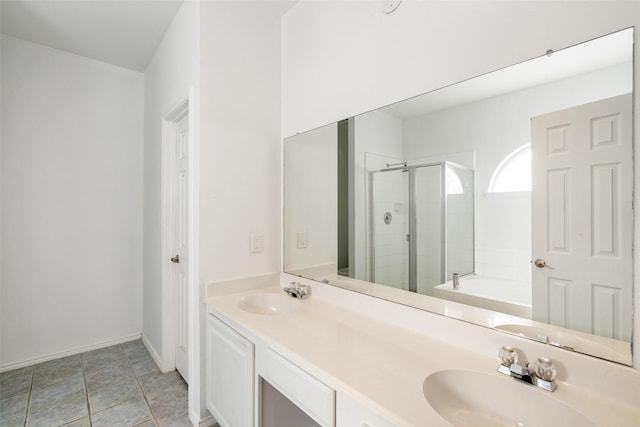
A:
513	173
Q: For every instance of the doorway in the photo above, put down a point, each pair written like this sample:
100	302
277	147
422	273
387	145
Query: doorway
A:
177	236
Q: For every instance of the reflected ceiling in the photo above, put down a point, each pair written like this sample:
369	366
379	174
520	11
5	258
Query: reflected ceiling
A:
580	59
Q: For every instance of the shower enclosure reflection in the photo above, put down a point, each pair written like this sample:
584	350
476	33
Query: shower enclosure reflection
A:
421	220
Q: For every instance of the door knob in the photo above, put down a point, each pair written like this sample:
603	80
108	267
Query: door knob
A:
175	259
540	263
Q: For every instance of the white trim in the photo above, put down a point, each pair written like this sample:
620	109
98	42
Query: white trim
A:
71	352
209	421
167	361
508	195
196	292
152	351
504	164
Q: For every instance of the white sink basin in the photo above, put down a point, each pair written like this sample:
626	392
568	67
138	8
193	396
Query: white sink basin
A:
268	303
475	399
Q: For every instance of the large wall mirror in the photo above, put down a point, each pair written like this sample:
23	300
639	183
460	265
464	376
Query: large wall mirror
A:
510	192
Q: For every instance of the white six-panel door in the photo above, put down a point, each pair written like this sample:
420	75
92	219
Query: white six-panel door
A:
180	236
582	217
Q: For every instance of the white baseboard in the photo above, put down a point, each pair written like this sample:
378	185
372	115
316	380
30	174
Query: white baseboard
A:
69	352
209	421
154	354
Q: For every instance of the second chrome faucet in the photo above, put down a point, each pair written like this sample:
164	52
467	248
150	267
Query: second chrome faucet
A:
542	374
298	290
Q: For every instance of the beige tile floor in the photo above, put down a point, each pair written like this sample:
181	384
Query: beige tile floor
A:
113	386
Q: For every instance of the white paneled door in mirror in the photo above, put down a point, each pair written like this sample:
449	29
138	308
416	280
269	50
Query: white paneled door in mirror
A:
582	219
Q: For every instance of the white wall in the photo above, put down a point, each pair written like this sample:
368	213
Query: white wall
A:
240	154
168	77
230	53
422	46
240	142
71	241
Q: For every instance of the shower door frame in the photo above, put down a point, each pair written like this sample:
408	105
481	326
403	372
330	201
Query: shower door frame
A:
413	249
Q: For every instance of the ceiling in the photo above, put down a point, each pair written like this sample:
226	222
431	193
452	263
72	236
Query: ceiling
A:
121	32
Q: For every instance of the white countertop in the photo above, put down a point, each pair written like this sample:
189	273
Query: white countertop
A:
381	365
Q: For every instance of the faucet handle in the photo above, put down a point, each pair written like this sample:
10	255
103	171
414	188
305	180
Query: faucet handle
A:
304	290
508	355
545	369
544	374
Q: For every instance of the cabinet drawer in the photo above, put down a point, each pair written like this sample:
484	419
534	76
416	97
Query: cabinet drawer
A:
350	413
311	395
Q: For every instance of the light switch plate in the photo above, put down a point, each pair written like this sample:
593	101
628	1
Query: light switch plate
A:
303	239
257	243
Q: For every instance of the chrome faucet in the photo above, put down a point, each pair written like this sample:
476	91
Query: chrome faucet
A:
542	374
298	290
456	281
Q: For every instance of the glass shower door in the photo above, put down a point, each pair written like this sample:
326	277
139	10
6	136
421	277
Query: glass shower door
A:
428	228
390	227
421	225
459	221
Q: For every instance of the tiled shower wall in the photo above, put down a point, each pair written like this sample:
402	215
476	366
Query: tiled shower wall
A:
390	242
512	264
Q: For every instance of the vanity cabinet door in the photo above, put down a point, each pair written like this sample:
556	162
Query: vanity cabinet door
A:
229	373
350	413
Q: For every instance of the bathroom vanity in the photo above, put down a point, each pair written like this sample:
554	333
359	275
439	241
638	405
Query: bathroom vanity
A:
524	174
326	360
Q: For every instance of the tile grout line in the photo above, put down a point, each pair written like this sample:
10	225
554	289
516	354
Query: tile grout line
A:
130	355
144	395
26	411
86	389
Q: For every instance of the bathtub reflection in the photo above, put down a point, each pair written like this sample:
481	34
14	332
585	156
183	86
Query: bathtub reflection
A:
502	295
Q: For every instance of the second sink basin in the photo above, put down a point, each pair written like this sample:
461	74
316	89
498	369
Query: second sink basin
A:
268	303
618	351
475	399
